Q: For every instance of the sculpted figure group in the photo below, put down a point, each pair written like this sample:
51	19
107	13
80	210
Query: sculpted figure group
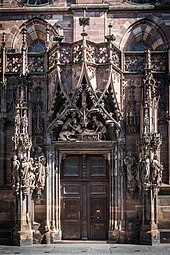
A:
72	128
143	173
29	173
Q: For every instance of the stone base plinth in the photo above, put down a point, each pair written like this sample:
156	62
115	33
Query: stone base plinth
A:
116	235
22	238
150	235
155	235
145	234
55	236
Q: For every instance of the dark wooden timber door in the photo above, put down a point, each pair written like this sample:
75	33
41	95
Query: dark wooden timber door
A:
84	197
98	218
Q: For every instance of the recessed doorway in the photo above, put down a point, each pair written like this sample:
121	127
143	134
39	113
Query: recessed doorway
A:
84	197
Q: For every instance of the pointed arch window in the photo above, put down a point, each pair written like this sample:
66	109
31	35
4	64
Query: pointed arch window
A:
37	46
141	46
36	56
35	2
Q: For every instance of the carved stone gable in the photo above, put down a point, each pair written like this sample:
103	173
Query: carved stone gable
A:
84	114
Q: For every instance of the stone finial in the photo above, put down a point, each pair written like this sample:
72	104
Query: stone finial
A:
84	21
110	37
24	35
47	36
148	60
58	37
3	39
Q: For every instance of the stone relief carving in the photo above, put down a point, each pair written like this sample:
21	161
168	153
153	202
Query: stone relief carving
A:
150	140
74	129
28	173
83	115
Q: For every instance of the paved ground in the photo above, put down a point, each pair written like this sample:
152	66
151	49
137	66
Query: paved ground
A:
86	249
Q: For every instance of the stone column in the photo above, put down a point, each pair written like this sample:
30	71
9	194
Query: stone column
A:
111	196
115	192
54	196
121	192
47	238
23	235
84	195
168	163
3	111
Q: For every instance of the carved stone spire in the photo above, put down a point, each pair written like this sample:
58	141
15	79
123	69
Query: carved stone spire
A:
150	139
24	45
84	22
3	56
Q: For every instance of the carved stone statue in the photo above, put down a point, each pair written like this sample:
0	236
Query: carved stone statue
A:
40	172
69	129
15	172
25	172
40	169
145	168
99	128
131	167
157	169
31	174
24	121
17	122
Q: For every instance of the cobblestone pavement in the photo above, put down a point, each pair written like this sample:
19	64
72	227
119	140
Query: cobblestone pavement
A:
86	249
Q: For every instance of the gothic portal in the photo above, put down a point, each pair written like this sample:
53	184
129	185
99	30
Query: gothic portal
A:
84	130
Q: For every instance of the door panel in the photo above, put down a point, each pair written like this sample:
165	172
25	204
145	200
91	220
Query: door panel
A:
71	218
84	193
98	219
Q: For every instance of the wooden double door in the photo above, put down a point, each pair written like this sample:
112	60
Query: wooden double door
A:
84	197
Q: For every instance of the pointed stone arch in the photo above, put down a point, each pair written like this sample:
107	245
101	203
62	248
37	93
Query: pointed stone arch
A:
84	114
149	30
36	30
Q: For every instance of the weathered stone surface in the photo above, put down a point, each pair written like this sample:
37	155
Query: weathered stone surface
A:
84	121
